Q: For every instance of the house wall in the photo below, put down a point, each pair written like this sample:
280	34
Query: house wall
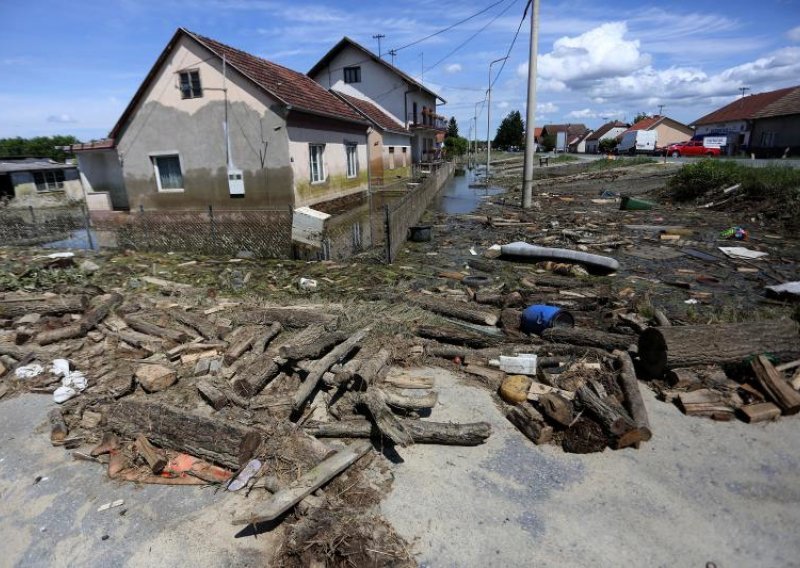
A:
776	134
375	143
305	131
101	172
193	128
26	194
737	131
669	135
399	164
593	146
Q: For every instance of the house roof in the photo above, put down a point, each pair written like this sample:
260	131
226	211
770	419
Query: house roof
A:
347	42
749	107
651	122
582	137
293	89
8	166
605	129
537	132
373	113
104	144
787	104
572	130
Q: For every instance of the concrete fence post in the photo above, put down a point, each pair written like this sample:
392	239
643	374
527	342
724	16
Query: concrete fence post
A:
88	226
388	229
33	214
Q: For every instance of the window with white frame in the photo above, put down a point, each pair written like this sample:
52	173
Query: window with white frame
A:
352	160
190	85
167	168
49	181
316	154
352	74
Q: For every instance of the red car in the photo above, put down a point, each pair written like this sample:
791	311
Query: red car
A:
691	148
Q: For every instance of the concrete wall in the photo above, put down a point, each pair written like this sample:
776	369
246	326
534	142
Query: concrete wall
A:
302	133
376	149
26	193
101	172
399	164
193	128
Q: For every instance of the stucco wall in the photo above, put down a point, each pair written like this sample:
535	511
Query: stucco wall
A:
193	128
101	172
668	135
26	194
336	183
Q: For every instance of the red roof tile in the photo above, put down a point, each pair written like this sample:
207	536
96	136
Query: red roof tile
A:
745	108
646	123
603	130
104	144
373	113
787	104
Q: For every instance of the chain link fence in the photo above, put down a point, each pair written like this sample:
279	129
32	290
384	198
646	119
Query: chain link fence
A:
29	226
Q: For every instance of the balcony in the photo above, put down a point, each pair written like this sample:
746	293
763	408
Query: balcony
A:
427	121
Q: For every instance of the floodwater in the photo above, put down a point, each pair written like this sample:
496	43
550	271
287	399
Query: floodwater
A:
77	240
457	197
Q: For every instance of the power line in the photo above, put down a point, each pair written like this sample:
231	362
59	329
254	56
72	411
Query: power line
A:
450	27
513	41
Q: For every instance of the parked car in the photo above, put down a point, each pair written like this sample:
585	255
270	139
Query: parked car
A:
691	148
638	142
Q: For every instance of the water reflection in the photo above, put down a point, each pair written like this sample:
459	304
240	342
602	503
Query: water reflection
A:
457	197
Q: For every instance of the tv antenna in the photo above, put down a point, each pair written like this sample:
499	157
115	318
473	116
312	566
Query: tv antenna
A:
393	52
661	109
743	90
379	37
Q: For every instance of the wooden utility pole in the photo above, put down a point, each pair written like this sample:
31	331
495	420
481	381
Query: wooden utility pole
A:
530	130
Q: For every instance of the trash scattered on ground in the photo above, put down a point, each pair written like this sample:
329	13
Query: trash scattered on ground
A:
742	252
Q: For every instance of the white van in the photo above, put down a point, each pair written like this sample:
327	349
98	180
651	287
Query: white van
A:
638	142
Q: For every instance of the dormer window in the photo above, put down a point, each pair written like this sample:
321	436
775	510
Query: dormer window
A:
190	85
352	74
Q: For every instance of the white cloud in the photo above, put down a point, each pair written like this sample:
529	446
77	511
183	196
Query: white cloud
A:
453	68
546	108
583	113
794	34
503	104
61	119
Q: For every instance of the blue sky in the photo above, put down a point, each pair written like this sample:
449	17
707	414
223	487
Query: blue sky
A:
71	67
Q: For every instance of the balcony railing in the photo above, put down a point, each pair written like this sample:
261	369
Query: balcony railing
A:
427	121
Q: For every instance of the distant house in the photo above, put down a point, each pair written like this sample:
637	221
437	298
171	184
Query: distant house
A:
764	123
39	182
669	131
578	145
609	130
564	135
212	125
353	70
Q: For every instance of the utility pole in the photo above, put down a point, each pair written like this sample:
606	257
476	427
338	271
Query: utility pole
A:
744	90
489	117
379	37
530	130
475	134
393	52
422	67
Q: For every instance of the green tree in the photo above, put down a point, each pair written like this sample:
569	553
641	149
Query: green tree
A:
511	131
38	147
607	145
547	142
452	127
640	116
456	145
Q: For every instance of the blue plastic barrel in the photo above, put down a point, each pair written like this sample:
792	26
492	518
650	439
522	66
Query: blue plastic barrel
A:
538	317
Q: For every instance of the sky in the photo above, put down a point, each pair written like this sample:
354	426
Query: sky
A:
72	67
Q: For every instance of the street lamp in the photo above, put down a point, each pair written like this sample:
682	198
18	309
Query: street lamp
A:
489	117
475	133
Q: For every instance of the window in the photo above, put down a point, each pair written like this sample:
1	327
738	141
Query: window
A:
316	153
49	181
168	172
767	139
352	160
352	74
190	85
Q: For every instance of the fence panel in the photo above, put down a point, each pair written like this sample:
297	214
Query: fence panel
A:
36	226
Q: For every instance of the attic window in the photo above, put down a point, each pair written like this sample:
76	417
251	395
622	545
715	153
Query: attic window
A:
190	85
352	74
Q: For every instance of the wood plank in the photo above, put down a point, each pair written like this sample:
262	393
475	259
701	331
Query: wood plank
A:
775	386
759	412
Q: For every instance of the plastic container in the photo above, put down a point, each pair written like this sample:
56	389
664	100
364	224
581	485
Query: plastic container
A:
538	317
633	204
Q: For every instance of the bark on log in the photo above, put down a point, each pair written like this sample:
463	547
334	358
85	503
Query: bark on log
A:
618	425
198	323
457	310
252	379
154	458
634	403
775	386
242	341
43	305
406	402
225	443
58	428
60	334
528	420
89	321
421	432
214	396
661	319
665	348
373	368
263	339
409	382
448	351
389	425
455	336
143	326
311	348
588	337
556	408
705	402
759	412
320	367
291	317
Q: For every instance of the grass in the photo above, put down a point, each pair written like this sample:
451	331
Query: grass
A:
620	163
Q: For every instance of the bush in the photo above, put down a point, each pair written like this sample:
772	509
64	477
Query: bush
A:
694	180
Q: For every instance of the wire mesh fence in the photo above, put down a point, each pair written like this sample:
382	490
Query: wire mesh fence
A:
29	226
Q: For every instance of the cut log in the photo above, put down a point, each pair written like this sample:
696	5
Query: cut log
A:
409	382
143	326
775	386
622	429
634	403
43	305
292	317
528	420
198	323
214	396
241	341
795	382
225	443
311	348
556	408
388	424
60	334
406	402
421	432
100	311
588	337
705	402
682	378
458	310
320	367
263	339
455	336
448	351
664	348
306	484
58	428
759	412
154	458
374	367
661	319
254	377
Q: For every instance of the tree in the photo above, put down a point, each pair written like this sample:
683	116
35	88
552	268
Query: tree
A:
456	145
511	131
452	127
607	145
547	142
38	147
640	116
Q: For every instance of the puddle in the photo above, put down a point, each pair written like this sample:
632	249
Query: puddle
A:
77	240
457	197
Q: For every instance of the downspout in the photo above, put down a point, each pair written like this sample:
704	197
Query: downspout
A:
405	111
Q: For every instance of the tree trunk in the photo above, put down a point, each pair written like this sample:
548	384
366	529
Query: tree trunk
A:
588	337
407	402
252	379
775	386
528	420
46	306
634	402
311	348
214	396
89	321
620	426
297	317
148	328
59	334
263	339
457	310
421	432
198	323
225	443
388	424
664	348
455	336
373	368
241	341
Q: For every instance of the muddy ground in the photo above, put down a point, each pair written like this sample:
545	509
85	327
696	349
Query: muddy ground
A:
520	515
